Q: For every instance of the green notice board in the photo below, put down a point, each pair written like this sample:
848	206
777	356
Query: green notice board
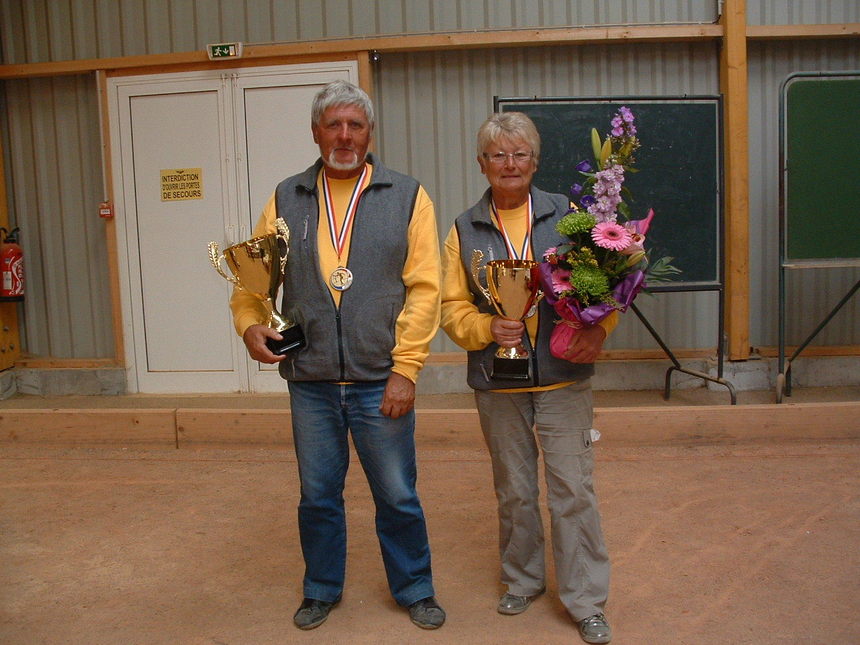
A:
679	170
821	136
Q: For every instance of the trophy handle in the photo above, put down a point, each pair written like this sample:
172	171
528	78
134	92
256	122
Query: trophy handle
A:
283	233
216	257
477	256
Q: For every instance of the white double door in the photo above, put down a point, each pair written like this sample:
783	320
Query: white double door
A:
195	156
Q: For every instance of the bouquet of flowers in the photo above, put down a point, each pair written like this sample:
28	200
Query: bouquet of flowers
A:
602	264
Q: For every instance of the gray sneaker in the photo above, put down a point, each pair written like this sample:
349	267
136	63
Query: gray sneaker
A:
595	629
313	613
427	614
511	604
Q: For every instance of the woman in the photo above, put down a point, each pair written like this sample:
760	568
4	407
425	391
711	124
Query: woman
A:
553	407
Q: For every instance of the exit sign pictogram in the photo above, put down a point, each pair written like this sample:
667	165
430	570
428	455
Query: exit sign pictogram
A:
224	50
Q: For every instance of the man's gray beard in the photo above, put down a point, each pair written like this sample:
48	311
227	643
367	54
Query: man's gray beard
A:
337	165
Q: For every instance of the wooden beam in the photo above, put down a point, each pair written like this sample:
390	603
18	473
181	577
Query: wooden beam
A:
504	38
796	32
166	67
812	350
111	243
733	85
436	428
365	82
255	54
138	427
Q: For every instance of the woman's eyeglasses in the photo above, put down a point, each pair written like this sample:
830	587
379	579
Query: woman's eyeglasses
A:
499	158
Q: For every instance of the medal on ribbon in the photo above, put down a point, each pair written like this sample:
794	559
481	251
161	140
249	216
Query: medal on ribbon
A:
341	278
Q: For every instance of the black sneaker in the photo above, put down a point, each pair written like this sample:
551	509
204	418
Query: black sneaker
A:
313	613
427	614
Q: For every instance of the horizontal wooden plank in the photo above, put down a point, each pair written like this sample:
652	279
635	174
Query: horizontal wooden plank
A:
812	350
78	426
440	428
198	427
730	423
399	43
794	32
436	428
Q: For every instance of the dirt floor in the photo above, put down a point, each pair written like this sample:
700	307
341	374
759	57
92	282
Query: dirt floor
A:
710	544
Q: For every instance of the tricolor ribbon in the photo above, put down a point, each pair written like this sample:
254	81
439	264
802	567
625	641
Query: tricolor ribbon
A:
338	237
512	252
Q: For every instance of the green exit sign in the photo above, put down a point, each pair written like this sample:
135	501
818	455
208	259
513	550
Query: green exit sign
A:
224	50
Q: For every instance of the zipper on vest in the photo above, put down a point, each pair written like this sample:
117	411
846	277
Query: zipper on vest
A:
340	345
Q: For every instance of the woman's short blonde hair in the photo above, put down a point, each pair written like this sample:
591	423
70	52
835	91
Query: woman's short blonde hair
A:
509	125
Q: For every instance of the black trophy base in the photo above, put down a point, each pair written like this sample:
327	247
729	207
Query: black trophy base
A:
514	369
293	338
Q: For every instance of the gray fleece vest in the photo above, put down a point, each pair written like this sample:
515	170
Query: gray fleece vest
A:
476	230
352	342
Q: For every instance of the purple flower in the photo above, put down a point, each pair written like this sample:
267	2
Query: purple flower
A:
587	200
584	166
576	189
607	193
622	123
626	114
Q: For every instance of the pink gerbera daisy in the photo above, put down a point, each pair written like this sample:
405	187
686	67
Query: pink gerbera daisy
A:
610	235
561	280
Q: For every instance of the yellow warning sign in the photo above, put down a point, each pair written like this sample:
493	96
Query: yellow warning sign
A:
177	185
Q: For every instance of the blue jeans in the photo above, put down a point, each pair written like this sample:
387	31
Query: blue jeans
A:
323	414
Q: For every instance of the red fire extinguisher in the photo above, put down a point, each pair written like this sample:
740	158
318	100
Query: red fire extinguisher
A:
11	267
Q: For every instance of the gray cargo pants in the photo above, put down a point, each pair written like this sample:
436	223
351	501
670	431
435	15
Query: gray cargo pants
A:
561	421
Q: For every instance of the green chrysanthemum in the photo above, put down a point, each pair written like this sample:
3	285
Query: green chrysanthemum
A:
575	222
590	280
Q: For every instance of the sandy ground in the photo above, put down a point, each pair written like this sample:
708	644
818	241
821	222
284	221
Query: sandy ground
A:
710	544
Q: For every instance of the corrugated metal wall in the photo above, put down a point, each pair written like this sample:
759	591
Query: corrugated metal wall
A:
801	12
430	105
55	184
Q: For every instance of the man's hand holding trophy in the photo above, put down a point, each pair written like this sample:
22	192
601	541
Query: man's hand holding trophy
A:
258	268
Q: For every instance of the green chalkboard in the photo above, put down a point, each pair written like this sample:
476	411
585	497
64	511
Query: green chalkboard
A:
679	170
821	139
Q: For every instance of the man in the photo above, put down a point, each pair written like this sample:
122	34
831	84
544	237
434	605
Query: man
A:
362	280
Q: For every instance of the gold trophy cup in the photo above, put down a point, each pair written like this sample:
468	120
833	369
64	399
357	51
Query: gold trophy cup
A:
258	268
512	289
